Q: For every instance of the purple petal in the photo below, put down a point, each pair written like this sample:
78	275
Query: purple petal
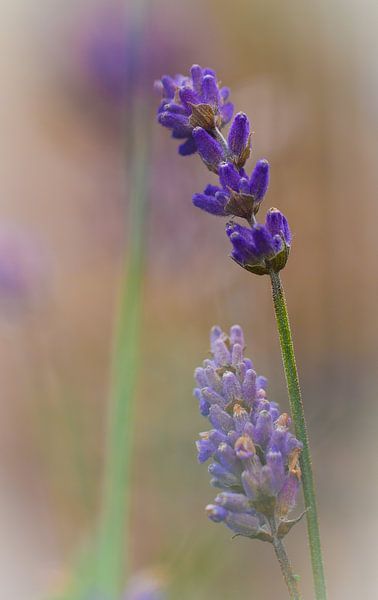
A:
178	123
188	97
259	180
169	86
210	204
188	147
239	133
210	91
209	149
262	241
226	112
197	77
229	176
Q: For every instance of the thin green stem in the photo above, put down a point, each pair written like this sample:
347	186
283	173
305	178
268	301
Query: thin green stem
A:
285	564
286	569
297	411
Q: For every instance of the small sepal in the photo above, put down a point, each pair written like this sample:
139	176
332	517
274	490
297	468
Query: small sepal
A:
203	115
285	526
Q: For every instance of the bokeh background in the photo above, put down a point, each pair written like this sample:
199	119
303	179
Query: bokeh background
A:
306	74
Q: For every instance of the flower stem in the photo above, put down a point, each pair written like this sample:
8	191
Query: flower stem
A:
297	411
285	564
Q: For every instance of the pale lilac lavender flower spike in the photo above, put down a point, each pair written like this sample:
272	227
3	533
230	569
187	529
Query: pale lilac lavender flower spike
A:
254	455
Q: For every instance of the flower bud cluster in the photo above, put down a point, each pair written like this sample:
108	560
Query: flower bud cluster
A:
193	102
254	456
196	108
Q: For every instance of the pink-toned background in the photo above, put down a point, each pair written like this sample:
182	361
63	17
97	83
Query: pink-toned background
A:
306	74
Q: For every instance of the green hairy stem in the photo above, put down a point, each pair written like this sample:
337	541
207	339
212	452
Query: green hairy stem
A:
297	411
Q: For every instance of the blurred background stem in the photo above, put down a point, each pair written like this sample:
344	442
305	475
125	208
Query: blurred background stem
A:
113	558
297	412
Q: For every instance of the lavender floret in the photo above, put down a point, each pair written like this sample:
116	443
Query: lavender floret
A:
261	248
254	456
193	101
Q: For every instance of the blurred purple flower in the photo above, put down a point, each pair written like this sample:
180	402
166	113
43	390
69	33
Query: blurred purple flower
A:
254	455
20	268
112	58
145	586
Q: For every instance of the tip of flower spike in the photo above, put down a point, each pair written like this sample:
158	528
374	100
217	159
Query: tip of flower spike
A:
259	180
216	513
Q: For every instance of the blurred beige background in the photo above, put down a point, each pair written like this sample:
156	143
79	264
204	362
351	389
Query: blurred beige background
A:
306	74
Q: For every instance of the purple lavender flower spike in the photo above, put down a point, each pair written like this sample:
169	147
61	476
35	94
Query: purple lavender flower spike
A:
254	456
195	108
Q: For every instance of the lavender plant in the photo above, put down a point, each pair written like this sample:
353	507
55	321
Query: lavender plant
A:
255	457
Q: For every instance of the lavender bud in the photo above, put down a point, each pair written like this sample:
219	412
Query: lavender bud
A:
233	502
262	241
197	77
237	335
200	377
205	450
243	523
259	180
212	203
178	123
241	418
210	90
220	419
287	497
226	113
261	382
226	456
169	86
213	379
239	134
222	477
188	97
229	176
277	224
204	406
212	397
216	513
249	386
208	148
222	355
237	357
275	462
187	148
231	386
263	428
